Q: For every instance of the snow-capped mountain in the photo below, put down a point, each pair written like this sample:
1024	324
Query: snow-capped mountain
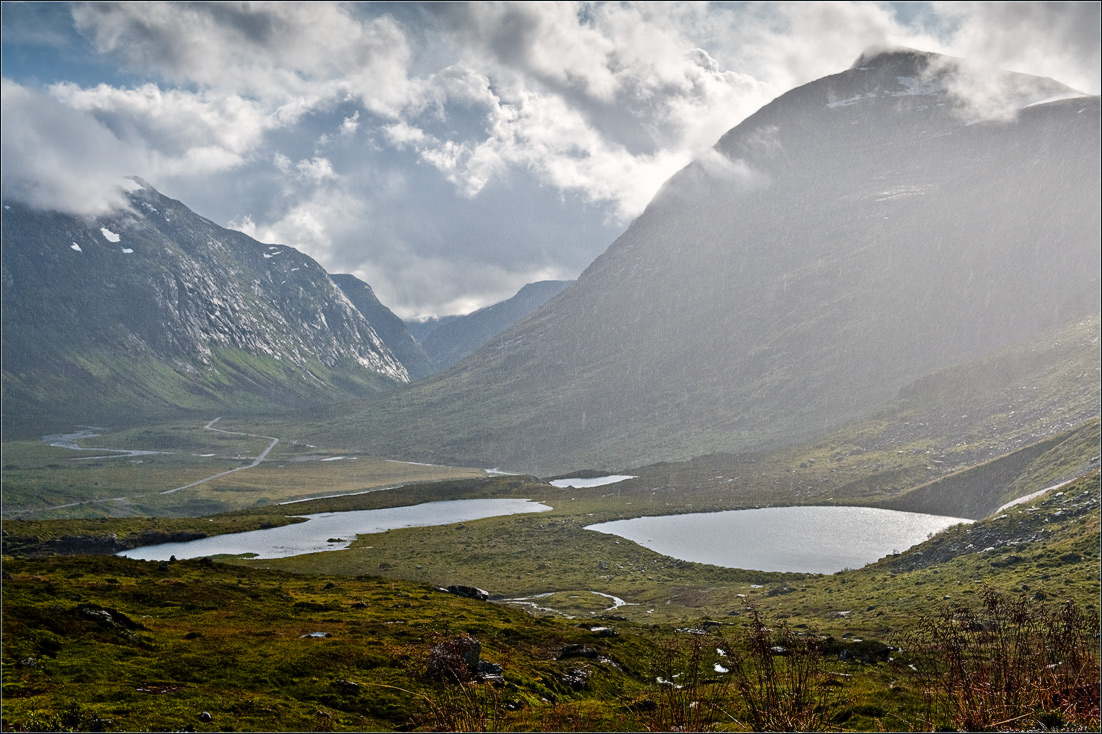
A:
859	232
156	309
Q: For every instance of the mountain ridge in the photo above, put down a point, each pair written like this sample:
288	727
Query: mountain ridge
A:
156	310
455	339
391	329
820	258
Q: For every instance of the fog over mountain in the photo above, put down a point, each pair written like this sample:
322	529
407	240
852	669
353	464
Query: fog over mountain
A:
455	339
855	234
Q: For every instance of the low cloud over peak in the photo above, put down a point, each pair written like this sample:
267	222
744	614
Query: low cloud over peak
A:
452	152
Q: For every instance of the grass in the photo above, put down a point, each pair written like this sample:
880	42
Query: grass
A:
115	644
47	482
227	639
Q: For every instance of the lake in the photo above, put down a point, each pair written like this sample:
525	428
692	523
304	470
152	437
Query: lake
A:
800	539
586	483
314	535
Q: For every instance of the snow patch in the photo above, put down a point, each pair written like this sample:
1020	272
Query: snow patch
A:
850	100
109	235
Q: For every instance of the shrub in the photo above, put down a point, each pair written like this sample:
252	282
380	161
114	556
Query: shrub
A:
771	677
780	677
1011	665
690	696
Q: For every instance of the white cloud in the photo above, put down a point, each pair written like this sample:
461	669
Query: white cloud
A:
59	158
351	124
1053	39
598	103
266	50
172	120
315	170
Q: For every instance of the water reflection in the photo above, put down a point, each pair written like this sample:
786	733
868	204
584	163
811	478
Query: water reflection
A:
334	530
801	539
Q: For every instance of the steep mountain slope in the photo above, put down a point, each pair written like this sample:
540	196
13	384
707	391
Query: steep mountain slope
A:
391	329
855	234
454	340
156	310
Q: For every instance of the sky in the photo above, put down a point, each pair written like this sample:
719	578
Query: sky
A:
445	153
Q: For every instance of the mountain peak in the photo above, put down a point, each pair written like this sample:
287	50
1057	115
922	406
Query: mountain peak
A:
878	56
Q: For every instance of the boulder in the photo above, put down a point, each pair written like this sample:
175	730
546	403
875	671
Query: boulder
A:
578	651
454	660
470	592
576	678
488	670
107	616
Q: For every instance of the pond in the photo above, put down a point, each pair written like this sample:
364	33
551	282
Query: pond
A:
799	539
334	530
586	483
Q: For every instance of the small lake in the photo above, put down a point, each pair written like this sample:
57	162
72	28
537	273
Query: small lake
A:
314	535
799	539
584	483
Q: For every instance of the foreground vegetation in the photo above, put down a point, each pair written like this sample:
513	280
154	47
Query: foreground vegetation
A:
113	644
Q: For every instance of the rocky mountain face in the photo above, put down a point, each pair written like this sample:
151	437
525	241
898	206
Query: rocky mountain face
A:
857	233
455	339
155	310
391	329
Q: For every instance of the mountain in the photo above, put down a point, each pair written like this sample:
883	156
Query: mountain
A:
421	329
155	310
454	340
855	234
391	329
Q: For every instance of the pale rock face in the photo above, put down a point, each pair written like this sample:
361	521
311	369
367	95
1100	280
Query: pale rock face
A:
159	282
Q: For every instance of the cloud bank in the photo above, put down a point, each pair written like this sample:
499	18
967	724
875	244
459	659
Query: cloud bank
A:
449	153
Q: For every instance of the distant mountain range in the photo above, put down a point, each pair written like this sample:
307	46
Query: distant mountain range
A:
455	338
155	310
857	233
